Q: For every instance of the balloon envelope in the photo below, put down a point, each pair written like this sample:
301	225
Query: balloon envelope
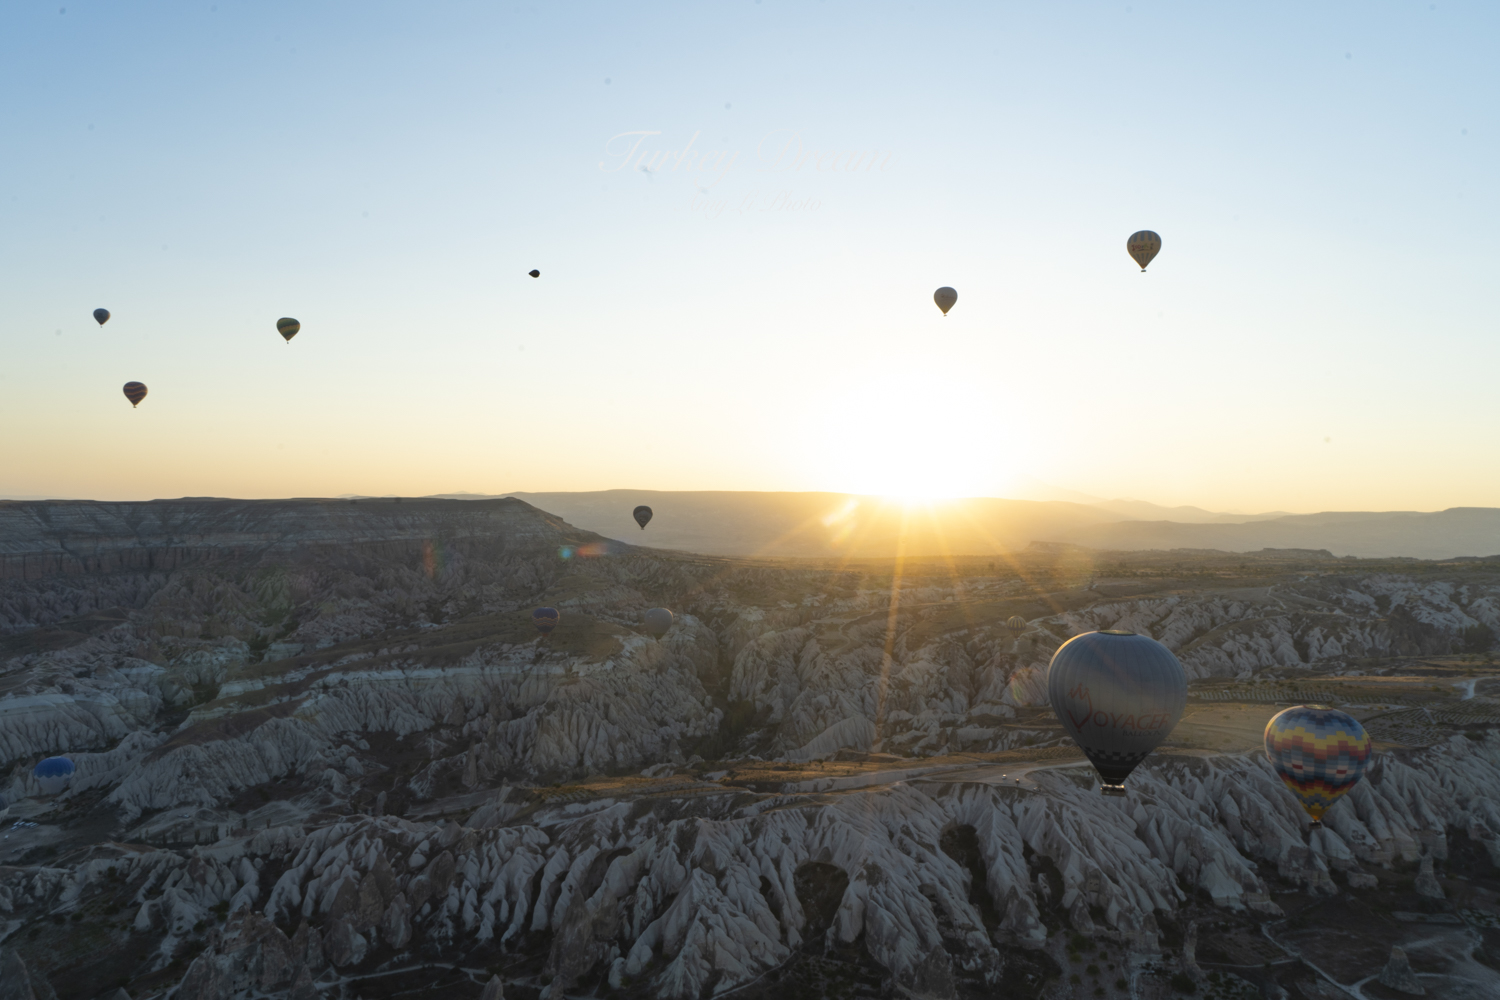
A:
1015	625
135	392
287	327
534	273
945	297
53	774
1143	246
545	620
642	515
102	316
1320	753
1118	695
658	620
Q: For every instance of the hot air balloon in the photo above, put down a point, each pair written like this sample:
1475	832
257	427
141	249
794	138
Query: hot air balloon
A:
534	273
1319	752
658	620
53	774
287	327
945	297
1143	246
642	515
101	316
135	392
1016	625
1118	695
545	620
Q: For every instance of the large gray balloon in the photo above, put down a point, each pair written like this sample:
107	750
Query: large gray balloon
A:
1118	695
945	297
658	620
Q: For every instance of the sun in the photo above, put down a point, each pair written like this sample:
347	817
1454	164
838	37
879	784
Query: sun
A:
914	439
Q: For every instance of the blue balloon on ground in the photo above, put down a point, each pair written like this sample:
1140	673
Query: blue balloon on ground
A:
1118	695
53	774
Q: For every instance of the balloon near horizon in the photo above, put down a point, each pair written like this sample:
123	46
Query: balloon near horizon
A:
545	620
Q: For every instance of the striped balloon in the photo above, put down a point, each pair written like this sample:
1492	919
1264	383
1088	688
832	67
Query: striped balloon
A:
287	327
1143	246
545	620
135	392
1319	752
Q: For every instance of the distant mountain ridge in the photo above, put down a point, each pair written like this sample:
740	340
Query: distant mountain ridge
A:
49	536
836	524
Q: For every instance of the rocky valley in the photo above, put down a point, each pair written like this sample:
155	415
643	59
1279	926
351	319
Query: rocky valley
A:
322	751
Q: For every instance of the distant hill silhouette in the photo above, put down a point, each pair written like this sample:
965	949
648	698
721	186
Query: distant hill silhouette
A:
1444	534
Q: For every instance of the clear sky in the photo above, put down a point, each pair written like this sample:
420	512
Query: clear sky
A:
755	310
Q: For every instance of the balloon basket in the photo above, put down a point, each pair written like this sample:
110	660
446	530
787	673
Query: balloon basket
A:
1118	791
1317	824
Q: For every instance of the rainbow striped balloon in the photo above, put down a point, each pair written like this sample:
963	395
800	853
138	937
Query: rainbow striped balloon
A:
1319	752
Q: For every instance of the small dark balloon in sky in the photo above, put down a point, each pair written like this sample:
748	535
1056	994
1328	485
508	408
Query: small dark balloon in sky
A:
1348	55
606	79
534	273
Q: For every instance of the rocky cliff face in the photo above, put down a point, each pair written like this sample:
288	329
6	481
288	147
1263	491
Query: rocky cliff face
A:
325	753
